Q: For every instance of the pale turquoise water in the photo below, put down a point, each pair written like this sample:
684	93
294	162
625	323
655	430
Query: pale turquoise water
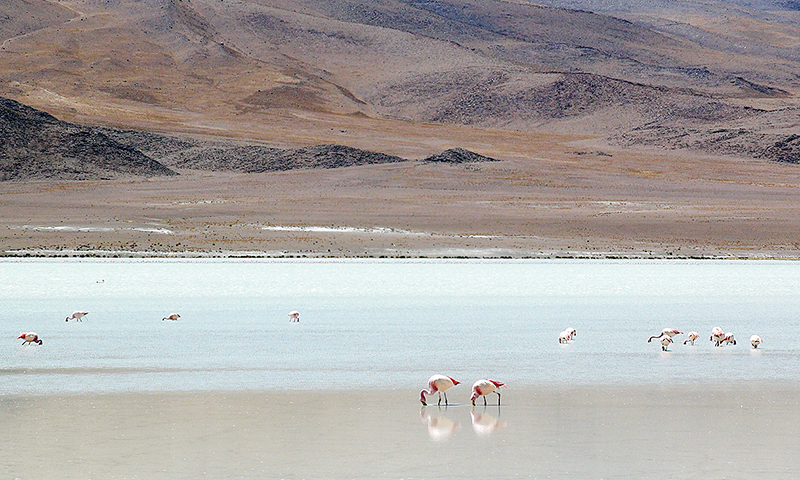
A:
391	324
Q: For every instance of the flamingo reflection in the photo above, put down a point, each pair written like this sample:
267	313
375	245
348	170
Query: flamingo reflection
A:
485	424
440	428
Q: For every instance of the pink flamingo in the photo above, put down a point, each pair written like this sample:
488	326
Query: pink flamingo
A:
755	341
78	315
665	343
571	333
728	339
670	332
692	337
171	316
717	335
29	338
438	383
485	387
294	316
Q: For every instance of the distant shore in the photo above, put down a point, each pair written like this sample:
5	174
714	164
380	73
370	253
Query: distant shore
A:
426	255
639	206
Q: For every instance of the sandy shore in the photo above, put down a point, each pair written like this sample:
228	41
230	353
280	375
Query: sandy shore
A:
670	432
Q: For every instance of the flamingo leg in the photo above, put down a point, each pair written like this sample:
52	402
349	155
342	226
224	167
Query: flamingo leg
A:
498	398
440	399
484	401
445	399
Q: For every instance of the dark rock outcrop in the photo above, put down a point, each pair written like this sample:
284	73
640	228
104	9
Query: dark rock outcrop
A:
458	155
253	159
37	146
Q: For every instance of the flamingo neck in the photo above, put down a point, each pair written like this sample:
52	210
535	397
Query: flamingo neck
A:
423	393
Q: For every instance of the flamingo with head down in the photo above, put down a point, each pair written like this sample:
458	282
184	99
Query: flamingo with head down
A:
29	337
484	387
77	315
670	332
438	383
717	335
692	336
755	341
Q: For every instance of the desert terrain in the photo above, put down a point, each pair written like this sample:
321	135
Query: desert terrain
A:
647	129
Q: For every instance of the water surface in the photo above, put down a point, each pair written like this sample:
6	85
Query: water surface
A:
389	323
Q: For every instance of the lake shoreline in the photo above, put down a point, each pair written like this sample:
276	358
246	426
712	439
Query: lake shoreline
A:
433	255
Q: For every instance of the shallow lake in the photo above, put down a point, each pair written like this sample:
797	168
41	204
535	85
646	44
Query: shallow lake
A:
389	323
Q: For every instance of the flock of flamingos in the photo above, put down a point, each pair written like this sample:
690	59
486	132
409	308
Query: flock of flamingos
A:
483	387
441	383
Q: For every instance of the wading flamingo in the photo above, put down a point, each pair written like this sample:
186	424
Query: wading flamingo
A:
728	339
171	316
29	338
665	341
438	383
716	336
692	337
571	332
563	337
484	387
294	316
670	332
78	315
755	341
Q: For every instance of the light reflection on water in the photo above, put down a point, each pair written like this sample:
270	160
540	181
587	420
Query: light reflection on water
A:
388	324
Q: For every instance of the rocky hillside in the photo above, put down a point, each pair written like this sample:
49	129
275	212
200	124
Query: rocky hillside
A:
253	159
220	156
36	146
458	155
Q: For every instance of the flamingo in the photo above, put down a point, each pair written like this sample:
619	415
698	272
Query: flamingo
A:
692	337
728	339
755	341
670	332
438	383
665	341
294	316
571	332
485	387
29	338
77	315
563	337
716	336
171	316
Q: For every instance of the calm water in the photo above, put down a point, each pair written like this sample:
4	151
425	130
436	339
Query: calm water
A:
388	324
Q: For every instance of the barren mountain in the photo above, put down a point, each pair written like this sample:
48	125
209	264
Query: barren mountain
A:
197	65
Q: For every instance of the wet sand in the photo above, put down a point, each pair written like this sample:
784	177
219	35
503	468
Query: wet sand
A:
628	432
